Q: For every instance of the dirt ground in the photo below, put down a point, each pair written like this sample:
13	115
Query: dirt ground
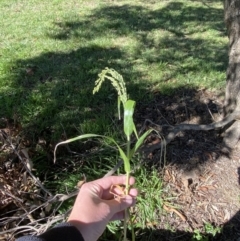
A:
202	180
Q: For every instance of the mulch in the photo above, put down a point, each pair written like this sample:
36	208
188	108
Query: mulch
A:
201	179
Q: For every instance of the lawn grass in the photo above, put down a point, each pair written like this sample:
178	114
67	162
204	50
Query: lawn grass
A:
52	51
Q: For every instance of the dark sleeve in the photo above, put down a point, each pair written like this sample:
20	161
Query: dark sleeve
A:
62	232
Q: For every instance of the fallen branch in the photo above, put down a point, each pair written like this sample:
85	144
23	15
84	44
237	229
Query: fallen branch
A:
186	127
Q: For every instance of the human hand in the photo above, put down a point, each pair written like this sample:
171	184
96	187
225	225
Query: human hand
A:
95	206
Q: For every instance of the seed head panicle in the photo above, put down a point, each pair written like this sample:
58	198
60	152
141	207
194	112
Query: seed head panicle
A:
116	80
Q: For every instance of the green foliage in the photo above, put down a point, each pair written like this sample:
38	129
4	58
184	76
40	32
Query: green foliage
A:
209	230
198	236
149	201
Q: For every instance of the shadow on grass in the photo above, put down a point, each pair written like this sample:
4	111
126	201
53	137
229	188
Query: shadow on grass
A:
176	18
56	87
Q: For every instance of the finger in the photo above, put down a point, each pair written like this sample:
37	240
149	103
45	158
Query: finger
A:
107	182
118	205
121	214
133	192
120	191
116	191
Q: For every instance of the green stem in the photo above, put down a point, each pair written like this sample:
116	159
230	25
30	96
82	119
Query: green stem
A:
127	213
128	171
128	148
132	228
126	210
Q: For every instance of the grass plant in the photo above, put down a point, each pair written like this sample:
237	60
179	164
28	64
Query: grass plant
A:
128	126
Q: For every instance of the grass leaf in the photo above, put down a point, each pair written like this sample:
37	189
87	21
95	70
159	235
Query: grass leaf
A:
129	125
139	143
85	136
127	167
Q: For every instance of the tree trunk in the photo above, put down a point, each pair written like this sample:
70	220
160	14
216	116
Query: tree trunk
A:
232	93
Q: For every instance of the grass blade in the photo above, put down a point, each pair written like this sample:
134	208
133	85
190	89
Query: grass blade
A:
139	143
121	152
129	125
84	136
